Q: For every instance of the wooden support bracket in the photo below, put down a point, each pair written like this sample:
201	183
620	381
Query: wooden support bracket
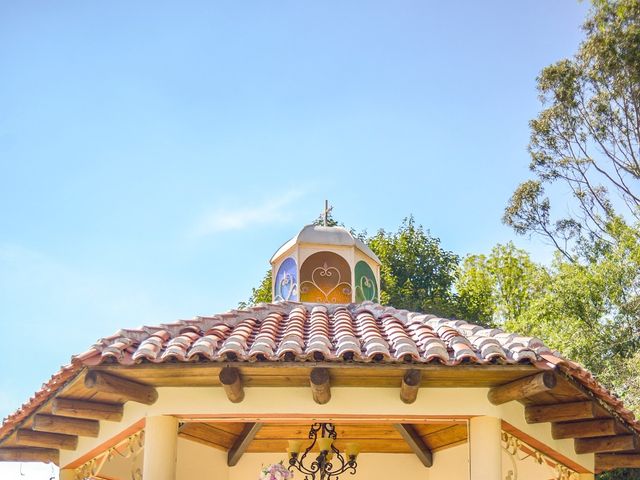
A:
127	389
600	427
415	442
232	383
522	388
618	443
69	407
31	438
560	412
609	461
242	443
21	454
320	382
67	425
410	386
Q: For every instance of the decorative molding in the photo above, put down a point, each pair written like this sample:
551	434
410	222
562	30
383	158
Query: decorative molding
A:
519	451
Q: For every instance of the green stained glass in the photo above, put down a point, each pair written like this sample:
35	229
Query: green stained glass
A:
365	285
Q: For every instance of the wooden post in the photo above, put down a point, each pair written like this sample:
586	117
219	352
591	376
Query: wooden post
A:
410	386
485	448
320	382
127	389
522	388
232	383
160	448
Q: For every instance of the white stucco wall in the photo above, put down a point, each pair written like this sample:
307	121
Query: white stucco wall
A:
200	462
452	463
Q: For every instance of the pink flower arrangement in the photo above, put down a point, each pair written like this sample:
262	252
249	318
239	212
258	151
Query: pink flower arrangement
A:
276	471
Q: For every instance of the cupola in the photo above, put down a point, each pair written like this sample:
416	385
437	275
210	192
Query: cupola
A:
323	264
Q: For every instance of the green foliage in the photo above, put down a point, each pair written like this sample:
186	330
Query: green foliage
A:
416	273
620	474
499	288
566	315
260	294
587	137
475	287
587	140
331	222
589	312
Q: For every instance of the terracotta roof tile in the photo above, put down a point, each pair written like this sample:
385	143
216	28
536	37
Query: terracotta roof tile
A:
291	331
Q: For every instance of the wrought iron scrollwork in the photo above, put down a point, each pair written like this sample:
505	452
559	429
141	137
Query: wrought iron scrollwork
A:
519	451
130	447
327	464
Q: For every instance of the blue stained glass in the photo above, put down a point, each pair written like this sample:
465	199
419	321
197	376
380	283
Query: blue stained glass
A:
286	284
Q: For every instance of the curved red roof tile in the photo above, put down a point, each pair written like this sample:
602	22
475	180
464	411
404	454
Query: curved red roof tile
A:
289	331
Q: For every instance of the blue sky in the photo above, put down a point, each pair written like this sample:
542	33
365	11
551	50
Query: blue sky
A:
153	155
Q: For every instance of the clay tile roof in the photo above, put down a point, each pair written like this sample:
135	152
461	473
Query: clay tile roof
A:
289	331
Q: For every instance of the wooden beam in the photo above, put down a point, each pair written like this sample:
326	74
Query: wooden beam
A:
242	443
600	427
232	383
560	412
320	382
70	407
415	442
68	425
128	389
410	386
609	461
21	454
618	443
522	388
31	438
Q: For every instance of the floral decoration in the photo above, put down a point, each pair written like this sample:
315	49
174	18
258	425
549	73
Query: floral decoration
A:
275	471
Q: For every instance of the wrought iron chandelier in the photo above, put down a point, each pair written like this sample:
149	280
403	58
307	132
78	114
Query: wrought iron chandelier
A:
327	463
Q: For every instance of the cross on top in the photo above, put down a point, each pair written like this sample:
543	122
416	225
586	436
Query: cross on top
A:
325	213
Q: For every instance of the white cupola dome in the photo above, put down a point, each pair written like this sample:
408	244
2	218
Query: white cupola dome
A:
325	265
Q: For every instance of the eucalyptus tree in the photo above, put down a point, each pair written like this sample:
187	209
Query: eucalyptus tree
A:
586	139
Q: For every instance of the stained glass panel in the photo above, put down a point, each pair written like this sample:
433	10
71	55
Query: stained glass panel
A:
325	277
366	286
286	284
